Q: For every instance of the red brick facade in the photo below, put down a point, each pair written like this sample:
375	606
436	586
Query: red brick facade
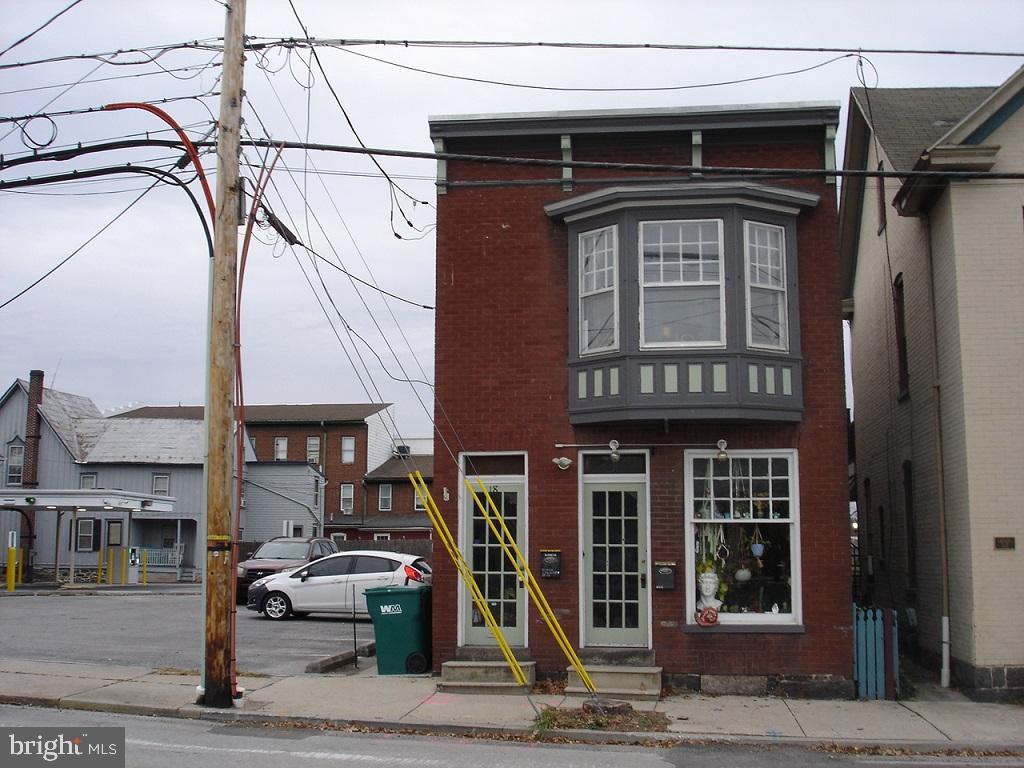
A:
502	330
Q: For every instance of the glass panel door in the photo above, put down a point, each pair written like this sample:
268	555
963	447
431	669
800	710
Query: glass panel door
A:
492	570
615	557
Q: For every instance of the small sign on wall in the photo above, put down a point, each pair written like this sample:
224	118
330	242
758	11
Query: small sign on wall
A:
550	563
1005	542
665	575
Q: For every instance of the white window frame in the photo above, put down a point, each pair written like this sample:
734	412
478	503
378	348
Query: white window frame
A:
348	449
313	454
795	616
162	491
80	535
349	490
417	503
382	537
722	268
381	506
83	481
11	464
280	449
613	231
783	346
316	492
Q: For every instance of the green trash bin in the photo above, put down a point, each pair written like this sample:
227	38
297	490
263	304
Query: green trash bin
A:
401	626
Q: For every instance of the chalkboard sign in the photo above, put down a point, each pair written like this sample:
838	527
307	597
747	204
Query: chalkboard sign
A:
550	563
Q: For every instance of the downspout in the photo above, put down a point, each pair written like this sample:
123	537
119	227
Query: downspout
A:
939	464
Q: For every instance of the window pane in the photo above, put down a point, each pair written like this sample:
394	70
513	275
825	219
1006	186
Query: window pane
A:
597	315
682	314
767	318
348	450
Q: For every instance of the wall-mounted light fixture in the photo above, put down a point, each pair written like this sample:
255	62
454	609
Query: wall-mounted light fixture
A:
722	455
562	462
613	446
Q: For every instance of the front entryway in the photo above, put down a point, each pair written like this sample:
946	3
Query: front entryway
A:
492	570
615	569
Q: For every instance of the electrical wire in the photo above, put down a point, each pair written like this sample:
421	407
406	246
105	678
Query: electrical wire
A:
40	28
161	71
161	176
567	89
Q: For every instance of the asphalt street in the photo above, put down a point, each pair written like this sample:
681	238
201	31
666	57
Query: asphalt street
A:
162	630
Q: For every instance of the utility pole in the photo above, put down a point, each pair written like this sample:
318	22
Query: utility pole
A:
220	383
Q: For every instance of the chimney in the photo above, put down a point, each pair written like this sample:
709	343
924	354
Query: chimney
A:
30	472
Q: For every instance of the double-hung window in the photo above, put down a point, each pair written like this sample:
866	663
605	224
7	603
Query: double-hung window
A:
348	450
313	450
280	449
15	464
161	485
767	326
384	497
599	326
743	526
682	302
348	495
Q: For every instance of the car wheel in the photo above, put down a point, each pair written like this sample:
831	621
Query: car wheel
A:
277	606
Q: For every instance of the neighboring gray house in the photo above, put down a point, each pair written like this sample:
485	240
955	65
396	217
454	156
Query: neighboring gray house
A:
77	484
933	270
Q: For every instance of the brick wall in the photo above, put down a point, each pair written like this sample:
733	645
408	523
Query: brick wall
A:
501	352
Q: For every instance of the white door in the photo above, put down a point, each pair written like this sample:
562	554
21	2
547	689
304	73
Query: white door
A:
615	564
492	571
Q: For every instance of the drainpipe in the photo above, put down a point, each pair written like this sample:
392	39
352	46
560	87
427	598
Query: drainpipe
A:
939	464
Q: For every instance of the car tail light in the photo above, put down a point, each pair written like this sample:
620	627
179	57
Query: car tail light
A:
411	574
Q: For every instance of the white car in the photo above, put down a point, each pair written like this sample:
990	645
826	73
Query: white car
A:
335	584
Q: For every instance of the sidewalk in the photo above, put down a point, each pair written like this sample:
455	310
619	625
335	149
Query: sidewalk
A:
362	698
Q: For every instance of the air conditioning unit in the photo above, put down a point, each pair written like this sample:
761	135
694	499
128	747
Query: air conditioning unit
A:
402	450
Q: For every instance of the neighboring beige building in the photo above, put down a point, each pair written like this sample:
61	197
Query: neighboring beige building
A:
934	280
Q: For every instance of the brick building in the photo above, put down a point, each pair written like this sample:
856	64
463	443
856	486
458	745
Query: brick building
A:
645	368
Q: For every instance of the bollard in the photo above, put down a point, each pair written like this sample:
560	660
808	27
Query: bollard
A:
145	566
124	566
99	567
12	557
110	565
21	566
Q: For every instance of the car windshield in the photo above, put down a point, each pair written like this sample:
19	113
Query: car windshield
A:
282	550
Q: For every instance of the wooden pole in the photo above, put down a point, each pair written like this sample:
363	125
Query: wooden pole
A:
221	372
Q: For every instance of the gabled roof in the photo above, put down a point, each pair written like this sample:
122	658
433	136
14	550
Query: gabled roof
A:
334	413
398	468
142	441
908	120
911	125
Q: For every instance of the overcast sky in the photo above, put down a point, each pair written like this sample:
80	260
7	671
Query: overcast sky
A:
124	321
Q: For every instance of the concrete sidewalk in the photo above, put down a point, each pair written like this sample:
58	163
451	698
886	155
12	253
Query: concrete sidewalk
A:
362	698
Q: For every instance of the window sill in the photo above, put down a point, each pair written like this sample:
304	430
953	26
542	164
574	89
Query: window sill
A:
745	629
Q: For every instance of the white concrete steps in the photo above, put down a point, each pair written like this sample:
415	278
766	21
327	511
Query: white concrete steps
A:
483	677
617	682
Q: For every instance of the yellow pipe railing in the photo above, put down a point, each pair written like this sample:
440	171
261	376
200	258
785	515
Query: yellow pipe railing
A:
445	534
522	568
99	567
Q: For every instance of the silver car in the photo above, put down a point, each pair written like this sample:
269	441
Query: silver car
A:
335	584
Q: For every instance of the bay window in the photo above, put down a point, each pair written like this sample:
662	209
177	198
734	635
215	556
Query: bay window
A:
598	291
767	320
682	302
742	525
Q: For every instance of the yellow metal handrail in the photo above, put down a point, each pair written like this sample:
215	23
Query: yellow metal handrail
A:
420	486
522	568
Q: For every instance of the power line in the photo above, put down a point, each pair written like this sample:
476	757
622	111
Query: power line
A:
40	28
567	89
108	57
255	43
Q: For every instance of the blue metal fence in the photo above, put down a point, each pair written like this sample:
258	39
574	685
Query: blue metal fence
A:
876	667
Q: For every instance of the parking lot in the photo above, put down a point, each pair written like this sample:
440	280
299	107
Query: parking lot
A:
162	629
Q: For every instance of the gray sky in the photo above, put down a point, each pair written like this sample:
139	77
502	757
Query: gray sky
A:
124	321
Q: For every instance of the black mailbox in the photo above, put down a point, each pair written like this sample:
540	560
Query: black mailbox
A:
550	563
664	575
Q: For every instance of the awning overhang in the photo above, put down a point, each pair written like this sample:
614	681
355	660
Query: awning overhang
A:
141	505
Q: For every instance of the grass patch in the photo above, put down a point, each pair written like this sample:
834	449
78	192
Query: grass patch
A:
553	718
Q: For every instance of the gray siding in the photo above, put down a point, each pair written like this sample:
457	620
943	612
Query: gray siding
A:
277	491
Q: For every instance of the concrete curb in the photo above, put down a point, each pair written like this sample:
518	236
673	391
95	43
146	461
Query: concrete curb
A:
653	739
342	659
